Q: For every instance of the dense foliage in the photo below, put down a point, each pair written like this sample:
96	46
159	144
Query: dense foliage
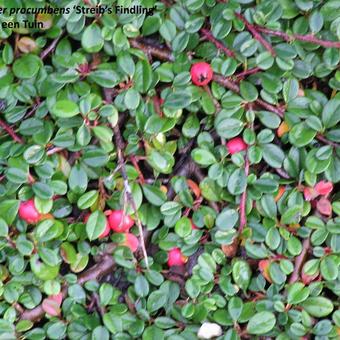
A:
210	131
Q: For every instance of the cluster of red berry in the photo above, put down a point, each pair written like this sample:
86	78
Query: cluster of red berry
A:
117	221
201	75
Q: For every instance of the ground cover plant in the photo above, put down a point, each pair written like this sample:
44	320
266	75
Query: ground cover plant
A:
169	174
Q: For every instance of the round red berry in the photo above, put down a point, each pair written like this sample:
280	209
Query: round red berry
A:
28	212
236	145
131	241
176	258
201	73
120	222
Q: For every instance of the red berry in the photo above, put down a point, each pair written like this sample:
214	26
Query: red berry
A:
28	212
236	145
120	222
176	258
107	229
131	241
201	73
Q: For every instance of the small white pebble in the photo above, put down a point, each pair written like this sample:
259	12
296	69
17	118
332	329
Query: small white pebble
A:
209	330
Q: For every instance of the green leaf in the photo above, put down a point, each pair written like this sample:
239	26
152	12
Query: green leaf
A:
3	228
237	182
261	323
331	113
95	225
273	238
235	307
103	133
156	301
95	157
228	127
248	91
301	135
227	219
88	199
273	155
43	271
241	273
269	119
292	215
154	194
203	157
177	100
297	293
143	76
131	99
105	76
65	109
318	306
92	40
161	161
9	210
183	227
27	66
329	268
290	89
141	286
78	179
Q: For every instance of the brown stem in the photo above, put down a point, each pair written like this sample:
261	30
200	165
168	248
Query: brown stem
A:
54	150
326	141
226	82
93	273
229	84
252	29
299	261
246	73
282	173
307	38
276	109
50	48
11	132
219	45
121	162
159	53
134	161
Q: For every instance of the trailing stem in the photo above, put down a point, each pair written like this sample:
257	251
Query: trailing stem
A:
252	29
307	38
94	273
121	162
219	45
299	261
11	132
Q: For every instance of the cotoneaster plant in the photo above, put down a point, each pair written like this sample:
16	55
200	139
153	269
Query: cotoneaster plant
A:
170	176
